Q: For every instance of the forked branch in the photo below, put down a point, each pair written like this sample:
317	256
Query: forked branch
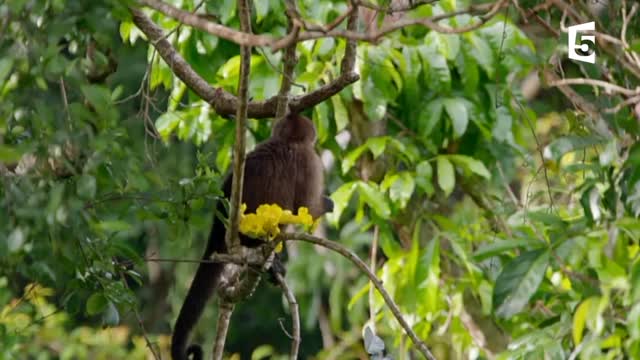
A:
351	256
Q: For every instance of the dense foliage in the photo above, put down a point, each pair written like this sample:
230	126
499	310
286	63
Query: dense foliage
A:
505	221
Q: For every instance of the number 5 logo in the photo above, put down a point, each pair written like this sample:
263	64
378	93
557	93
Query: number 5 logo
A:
586	50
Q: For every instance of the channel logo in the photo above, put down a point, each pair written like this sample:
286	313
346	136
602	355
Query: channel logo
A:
585	49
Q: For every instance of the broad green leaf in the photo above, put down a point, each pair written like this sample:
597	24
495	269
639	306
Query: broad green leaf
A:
352	157
374	198
499	247
435	67
481	51
471	165
96	303
518	281
340	199
429	117
424	175
377	145
262	8
468	69
580	319
402	189
167	123
457	112
446	175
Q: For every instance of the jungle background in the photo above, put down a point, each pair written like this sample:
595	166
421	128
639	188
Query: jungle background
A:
491	182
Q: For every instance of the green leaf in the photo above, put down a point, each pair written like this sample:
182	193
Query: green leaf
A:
429	117
518	281
502	128
481	51
352	157
125	30
339	113
457	111
446	175
340	199
262	8
580	319
373	197
424	175
9	154
167	123
402	189
86	187
471	165
96	303
377	145
16	239
567	144
468	69
113	225
499	247
6	63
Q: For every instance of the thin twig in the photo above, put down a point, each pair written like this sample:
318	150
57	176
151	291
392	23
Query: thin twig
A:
231	236
244	38
156	356
289	60
295	317
374	255
351	256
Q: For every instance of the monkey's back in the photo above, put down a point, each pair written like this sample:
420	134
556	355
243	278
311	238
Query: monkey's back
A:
287	174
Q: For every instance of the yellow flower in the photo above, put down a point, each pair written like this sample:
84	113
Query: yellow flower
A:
265	223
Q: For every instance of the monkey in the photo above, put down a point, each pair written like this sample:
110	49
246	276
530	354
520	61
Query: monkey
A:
285	170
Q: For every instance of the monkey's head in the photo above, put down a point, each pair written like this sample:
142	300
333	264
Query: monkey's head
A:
295	128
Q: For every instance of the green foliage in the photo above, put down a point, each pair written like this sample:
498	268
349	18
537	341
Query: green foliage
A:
505	227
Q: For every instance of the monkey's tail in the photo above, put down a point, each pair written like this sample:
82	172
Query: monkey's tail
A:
202	288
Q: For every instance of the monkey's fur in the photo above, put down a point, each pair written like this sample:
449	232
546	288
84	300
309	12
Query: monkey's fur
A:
284	170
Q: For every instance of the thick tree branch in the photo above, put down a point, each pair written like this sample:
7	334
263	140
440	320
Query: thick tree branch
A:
224	316
351	256
223	102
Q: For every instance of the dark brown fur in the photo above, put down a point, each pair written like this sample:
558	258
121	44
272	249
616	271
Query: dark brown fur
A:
284	170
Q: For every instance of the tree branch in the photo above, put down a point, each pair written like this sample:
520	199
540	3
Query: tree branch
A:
594	82
223	102
351	256
289	60
295	317
224	316
239	151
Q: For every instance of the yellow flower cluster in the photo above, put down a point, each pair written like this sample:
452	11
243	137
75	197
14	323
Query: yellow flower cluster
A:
265	223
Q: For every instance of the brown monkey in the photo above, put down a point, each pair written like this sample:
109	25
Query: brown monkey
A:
284	170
